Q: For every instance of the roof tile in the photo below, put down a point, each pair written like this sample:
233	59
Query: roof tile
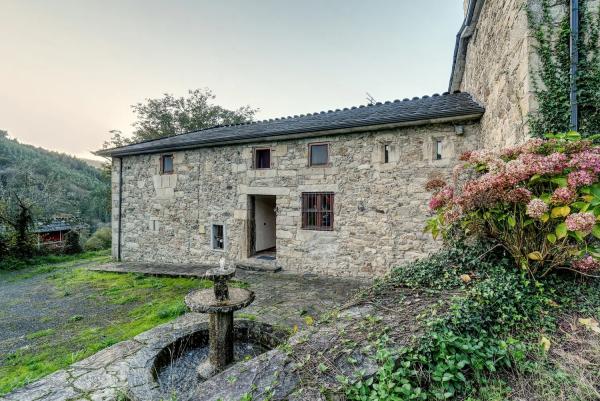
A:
406	111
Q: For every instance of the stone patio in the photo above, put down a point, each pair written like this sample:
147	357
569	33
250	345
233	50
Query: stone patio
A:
281	298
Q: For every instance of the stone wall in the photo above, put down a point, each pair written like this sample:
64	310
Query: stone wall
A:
380	208
497	71
501	64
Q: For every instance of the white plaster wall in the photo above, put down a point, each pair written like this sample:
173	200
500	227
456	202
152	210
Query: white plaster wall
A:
264	219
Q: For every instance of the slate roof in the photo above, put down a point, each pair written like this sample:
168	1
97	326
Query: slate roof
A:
448	105
52	227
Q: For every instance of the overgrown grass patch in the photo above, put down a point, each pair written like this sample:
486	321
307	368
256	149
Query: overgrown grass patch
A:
502	337
40	333
47	264
135	303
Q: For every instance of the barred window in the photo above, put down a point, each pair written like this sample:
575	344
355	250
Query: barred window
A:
317	211
218	237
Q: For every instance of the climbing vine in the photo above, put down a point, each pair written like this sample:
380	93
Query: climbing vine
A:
551	79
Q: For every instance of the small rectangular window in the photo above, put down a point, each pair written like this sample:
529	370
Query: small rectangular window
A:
318	154
218	236
386	153
262	158
166	164
438	149
317	211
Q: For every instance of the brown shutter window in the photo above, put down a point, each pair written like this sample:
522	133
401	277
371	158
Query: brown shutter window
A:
262	158
166	164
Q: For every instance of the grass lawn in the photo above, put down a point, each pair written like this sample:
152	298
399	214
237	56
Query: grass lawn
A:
96	310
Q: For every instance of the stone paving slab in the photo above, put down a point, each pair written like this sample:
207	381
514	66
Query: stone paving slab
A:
197	270
281	298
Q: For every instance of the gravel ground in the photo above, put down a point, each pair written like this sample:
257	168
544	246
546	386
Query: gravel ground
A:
29	305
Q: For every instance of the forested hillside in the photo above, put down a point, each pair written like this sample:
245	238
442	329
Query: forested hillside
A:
54	183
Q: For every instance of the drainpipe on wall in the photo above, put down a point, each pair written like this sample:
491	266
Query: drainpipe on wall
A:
120	208
574	62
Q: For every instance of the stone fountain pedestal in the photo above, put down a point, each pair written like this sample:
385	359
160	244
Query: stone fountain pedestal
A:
220	303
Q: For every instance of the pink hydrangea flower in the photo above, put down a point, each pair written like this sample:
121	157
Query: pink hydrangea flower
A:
536	208
580	222
580	178
435	184
441	198
563	196
539	164
586	160
532	145
518	195
516	171
452	215
465	156
511	152
585	264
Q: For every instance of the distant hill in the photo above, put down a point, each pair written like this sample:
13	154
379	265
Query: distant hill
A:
56	183
91	162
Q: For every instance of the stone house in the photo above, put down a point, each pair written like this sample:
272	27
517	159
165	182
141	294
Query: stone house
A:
337	192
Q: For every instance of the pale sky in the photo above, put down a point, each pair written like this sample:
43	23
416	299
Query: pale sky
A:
70	69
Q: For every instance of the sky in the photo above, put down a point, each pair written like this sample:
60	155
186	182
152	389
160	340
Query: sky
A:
71	69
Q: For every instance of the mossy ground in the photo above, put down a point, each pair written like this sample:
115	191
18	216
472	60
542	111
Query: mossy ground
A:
90	311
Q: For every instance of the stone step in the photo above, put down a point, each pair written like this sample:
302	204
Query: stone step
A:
257	265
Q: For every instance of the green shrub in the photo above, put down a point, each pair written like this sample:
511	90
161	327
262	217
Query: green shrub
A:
72	243
4	250
101	239
494	325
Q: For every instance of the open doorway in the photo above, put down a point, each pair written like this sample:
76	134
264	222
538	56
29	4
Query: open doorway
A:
262	226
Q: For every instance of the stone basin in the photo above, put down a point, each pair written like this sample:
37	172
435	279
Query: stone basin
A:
204	301
169	365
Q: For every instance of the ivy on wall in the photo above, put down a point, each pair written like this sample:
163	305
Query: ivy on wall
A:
551	79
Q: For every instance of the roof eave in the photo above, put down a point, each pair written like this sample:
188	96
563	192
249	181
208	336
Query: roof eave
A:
159	149
462	42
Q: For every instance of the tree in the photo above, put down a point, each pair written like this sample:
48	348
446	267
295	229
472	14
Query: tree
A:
21	223
53	183
72	243
170	115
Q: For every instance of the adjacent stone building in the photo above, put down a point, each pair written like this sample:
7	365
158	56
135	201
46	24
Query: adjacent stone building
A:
338	192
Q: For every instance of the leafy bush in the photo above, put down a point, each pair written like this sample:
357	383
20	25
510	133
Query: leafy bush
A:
540	200
101	239
4	250
72	244
494	326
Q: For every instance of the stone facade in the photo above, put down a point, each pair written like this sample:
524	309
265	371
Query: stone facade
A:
379	209
501	64
497	71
